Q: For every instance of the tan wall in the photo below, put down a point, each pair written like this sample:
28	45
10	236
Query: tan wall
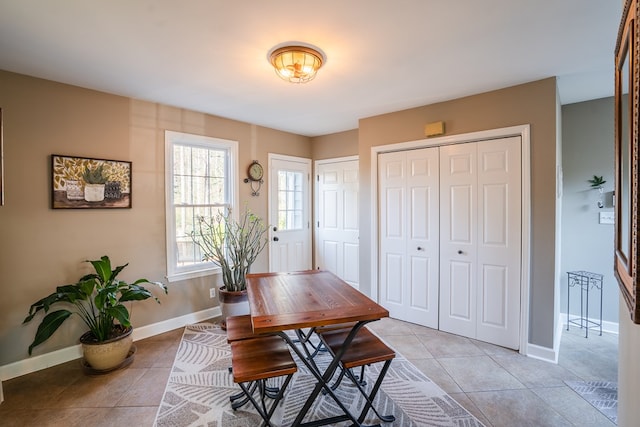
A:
41	248
341	144
532	103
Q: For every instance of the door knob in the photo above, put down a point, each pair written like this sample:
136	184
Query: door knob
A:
420	248
275	239
460	252
275	228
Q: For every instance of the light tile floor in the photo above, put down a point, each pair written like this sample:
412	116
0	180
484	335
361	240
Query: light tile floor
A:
499	386
503	388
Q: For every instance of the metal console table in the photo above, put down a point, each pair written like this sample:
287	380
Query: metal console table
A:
586	281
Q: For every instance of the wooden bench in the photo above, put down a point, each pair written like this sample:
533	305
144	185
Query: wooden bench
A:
239	328
255	360
365	349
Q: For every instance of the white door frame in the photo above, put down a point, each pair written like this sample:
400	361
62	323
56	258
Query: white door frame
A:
524	132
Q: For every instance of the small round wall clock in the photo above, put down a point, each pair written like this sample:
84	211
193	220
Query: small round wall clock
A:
255	173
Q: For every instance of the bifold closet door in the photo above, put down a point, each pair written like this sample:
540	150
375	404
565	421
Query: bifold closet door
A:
480	240
409	242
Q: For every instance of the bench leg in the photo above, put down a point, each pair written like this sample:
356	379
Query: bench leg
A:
270	392
262	406
369	398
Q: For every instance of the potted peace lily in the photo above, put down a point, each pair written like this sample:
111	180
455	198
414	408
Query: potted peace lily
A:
233	245
98	298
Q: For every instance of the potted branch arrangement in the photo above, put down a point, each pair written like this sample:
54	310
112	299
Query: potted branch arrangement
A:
98	298
233	245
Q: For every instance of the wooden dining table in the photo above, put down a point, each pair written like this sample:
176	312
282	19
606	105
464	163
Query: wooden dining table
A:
298	301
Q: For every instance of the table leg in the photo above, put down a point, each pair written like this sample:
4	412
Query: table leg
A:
323	380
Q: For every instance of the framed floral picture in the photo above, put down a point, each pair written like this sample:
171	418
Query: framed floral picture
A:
86	183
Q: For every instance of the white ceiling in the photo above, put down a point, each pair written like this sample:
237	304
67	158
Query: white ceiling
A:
382	55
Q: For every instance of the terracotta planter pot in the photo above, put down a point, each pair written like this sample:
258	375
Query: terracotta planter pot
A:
106	355
233	304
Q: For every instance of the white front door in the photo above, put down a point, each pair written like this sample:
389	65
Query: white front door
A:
409	248
337	229
289	213
480	240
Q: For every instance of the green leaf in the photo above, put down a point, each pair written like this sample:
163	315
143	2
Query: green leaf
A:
158	284
101	299
86	288
121	314
45	303
135	295
103	268
48	326
117	271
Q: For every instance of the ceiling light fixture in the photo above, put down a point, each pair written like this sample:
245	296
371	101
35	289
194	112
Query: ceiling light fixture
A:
296	64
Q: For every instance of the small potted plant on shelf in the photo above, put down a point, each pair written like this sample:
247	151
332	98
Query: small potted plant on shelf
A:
98	298
233	245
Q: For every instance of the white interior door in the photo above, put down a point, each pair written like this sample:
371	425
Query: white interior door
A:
337	229
409	235
458	239
499	241
480	241
289	213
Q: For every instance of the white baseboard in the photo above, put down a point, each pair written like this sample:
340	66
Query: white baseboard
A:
36	363
546	354
609	327
551	354
542	353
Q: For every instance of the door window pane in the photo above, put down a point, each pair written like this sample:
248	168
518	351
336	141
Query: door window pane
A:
290	200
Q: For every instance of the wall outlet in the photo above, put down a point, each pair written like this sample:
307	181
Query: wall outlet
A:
212	293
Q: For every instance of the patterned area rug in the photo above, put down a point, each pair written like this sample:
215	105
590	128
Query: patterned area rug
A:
198	390
601	394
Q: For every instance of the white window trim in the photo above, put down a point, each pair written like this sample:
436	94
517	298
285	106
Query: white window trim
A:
170	137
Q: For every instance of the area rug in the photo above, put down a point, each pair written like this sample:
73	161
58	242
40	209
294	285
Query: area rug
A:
602	395
198	390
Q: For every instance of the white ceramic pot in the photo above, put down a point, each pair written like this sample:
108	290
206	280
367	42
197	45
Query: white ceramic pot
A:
233	304
94	192
106	355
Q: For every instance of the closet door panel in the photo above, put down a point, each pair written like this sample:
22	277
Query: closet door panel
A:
409	193
458	239
499	241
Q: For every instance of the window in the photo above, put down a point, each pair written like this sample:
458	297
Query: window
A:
200	181
290	192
